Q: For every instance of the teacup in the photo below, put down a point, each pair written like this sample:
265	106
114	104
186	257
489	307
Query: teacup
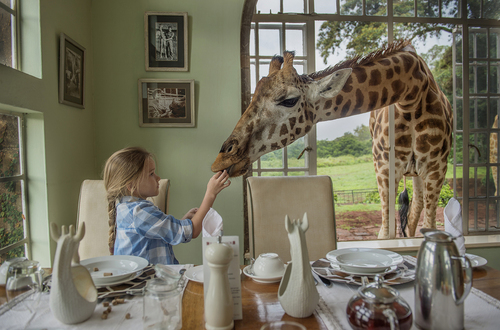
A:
268	265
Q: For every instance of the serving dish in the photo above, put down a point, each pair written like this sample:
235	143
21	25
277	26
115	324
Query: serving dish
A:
404	273
364	260
120	266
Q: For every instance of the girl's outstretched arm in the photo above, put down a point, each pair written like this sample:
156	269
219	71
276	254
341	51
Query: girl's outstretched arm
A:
215	185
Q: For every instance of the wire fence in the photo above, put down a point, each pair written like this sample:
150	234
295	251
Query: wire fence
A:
356	196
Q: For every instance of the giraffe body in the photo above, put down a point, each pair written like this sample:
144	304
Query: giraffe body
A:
286	105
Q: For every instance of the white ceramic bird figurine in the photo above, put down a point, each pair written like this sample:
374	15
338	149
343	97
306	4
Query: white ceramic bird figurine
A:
73	295
297	293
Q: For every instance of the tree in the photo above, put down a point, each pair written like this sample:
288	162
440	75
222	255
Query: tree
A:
364	37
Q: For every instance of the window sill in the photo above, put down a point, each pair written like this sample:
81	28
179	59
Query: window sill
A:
413	244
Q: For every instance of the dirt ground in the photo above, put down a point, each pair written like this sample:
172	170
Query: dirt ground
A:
355	226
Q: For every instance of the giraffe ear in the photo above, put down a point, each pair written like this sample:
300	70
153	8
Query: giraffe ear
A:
332	84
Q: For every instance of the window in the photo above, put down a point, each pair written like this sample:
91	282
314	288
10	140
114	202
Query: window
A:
9	27
459	40
14	225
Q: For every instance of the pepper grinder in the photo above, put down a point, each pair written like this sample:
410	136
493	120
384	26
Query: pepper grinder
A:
219	300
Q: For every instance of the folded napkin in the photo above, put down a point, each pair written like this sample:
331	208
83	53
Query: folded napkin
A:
212	224
453	223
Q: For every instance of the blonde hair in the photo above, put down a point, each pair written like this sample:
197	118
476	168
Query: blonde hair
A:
121	176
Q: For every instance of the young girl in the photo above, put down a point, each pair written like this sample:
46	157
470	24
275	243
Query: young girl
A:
136	226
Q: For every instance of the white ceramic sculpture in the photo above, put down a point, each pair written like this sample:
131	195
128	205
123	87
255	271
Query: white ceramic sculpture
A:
297	293
73	296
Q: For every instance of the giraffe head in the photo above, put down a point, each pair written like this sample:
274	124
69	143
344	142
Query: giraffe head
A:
281	111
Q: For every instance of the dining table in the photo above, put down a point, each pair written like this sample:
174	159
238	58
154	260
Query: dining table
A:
259	303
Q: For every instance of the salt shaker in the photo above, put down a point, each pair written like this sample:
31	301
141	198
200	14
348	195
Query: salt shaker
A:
218	299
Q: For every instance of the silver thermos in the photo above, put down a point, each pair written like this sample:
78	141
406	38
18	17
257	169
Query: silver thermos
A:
440	284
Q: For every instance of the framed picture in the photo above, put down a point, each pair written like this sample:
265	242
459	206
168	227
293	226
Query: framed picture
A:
71	72
166	41
166	103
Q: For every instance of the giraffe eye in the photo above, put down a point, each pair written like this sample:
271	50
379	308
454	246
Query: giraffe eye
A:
290	102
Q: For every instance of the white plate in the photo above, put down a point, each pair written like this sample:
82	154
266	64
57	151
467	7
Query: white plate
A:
361	273
261	279
123	280
364	260
195	274
476	261
120	266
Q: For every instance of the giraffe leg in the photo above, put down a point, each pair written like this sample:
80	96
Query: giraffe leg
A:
384	201
417	205
431	199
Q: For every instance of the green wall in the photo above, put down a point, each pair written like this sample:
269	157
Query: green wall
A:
62	154
72	144
184	155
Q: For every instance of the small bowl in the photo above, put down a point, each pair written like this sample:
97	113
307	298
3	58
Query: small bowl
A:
268	265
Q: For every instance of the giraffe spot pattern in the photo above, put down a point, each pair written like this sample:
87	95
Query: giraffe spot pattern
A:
275	146
339	99
413	94
263	148
359	98
292	122
384	97
360	74
375	78
284	130
373	98
389	74
328	105
345	109
283	142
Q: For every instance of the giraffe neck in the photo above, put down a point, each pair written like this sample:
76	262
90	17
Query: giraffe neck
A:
400	78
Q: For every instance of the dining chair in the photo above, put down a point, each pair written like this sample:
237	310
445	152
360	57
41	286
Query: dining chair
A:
269	199
93	210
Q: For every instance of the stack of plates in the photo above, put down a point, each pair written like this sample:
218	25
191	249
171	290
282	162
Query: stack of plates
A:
364	261
121	268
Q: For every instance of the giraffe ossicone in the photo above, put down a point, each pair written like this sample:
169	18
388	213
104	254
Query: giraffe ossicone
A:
285	106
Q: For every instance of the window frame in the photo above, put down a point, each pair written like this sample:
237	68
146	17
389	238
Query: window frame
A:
491	239
16	32
22	178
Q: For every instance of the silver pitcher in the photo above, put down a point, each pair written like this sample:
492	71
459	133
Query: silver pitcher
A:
440	284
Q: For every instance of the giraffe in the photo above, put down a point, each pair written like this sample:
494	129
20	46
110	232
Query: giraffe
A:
286	105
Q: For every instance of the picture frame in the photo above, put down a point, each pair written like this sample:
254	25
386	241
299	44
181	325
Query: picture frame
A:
71	72
166	103
166	41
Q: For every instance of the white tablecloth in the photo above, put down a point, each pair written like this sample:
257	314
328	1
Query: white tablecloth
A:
20	318
481	310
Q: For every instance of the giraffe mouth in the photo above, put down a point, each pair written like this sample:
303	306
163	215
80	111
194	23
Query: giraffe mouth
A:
229	170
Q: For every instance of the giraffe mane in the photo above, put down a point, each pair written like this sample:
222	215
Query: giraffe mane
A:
360	60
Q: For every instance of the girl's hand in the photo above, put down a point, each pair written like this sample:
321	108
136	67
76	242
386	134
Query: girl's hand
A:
190	214
218	182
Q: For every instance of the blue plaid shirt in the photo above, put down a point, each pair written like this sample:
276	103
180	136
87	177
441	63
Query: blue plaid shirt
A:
143	230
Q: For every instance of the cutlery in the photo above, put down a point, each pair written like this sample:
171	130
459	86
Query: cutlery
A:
326	282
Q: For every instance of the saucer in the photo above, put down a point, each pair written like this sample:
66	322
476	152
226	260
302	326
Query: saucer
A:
260	279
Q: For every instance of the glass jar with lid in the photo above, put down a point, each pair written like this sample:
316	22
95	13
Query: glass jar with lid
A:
163	301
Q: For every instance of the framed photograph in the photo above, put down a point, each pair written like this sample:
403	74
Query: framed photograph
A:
166	103
71	72
166	41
